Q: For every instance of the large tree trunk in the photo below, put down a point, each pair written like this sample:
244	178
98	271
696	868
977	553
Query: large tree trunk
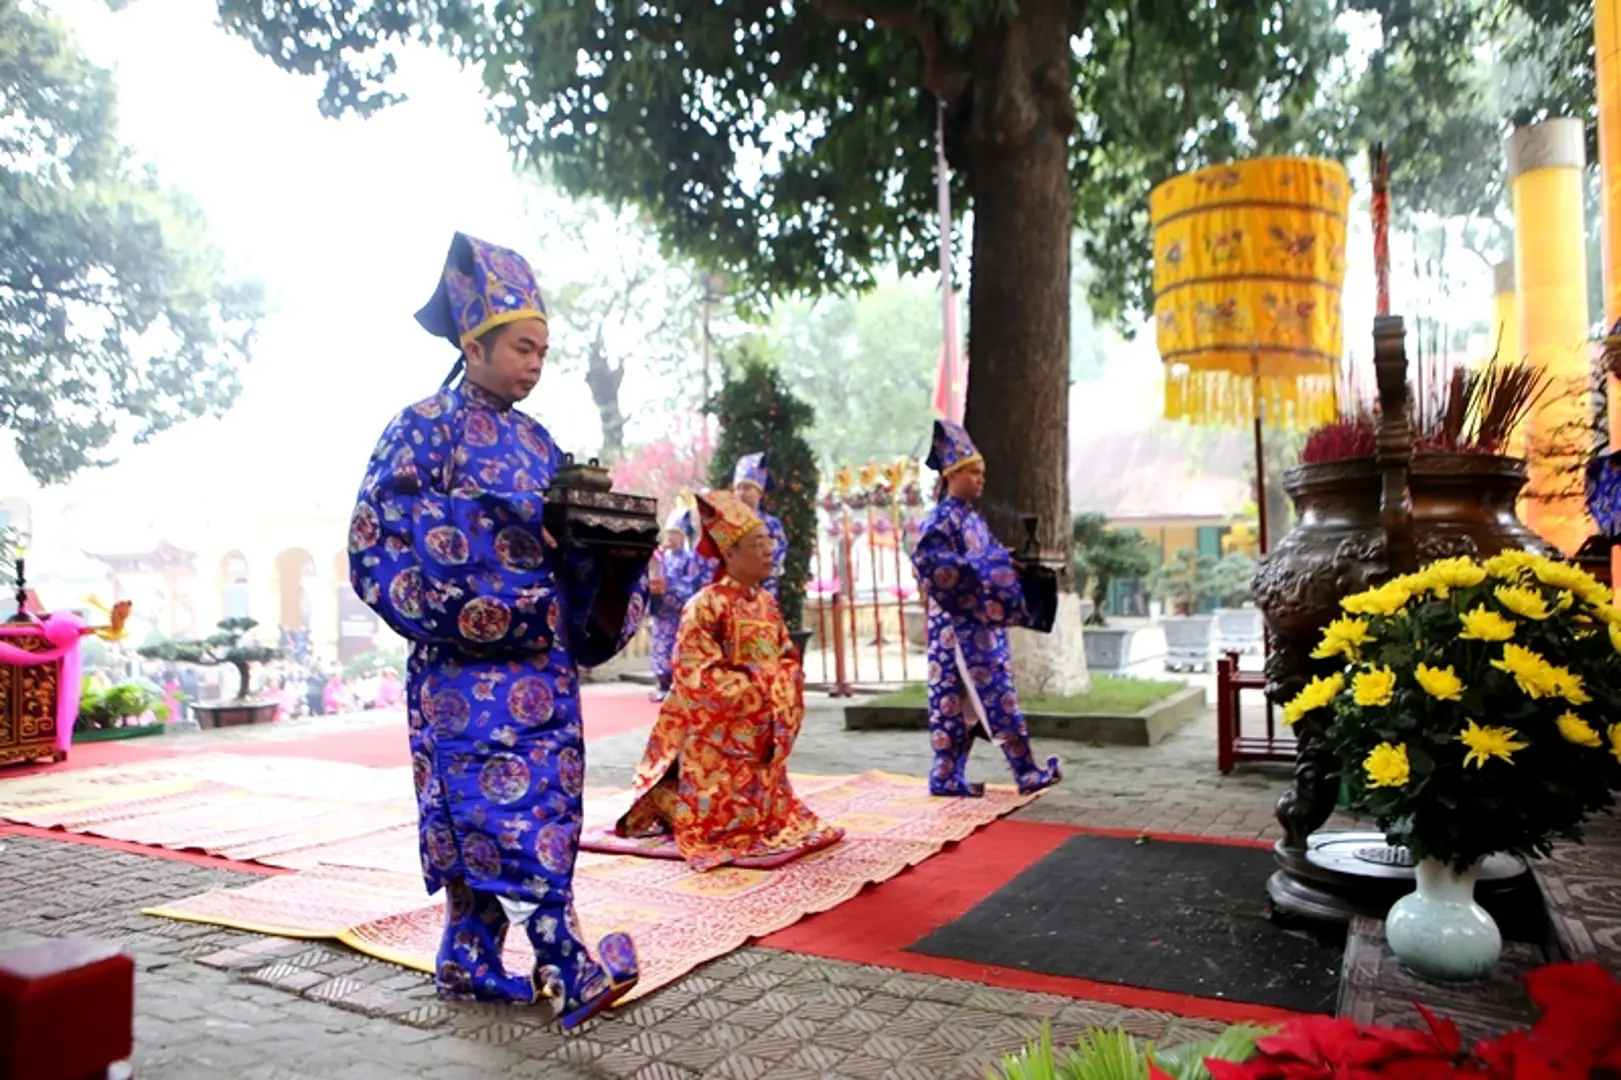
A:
1012	132
604	380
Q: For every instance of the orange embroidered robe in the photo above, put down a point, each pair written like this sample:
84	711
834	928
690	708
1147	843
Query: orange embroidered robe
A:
716	768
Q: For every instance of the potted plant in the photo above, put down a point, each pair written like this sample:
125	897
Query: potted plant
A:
1181	584
1471	715
125	711
1356	517
1238	621
224	647
1099	556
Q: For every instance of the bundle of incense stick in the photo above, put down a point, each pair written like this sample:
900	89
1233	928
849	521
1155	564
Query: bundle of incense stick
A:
1468	412
1379	171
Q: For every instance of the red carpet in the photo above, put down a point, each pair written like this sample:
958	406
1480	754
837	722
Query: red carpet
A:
877	926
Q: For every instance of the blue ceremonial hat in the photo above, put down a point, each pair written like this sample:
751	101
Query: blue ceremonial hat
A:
751	469
951	448
682	520
482	287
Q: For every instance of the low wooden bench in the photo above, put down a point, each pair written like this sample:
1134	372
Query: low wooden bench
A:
67	1010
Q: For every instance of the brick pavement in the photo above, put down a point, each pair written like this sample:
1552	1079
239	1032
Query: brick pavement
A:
214	1002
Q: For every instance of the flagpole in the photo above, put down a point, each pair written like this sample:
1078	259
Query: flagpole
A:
953	405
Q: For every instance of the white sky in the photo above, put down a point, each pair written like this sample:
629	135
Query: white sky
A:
346	223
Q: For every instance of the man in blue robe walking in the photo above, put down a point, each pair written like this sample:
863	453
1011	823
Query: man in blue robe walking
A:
973	591
680	573
446	545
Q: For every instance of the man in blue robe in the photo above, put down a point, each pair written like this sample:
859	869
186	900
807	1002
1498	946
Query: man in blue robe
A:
750	481
446	545
973	591
681	572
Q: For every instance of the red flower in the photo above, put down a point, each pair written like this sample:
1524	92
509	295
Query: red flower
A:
1325	1048
1578	1031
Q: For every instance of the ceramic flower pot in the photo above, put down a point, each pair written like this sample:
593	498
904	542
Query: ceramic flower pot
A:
1438	932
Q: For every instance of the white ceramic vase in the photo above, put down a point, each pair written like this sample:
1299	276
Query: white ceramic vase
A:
1438	931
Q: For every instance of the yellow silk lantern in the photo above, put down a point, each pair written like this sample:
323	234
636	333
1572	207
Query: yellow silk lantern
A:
1249	263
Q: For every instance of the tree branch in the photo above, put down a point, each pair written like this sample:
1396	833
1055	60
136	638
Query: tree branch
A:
943	75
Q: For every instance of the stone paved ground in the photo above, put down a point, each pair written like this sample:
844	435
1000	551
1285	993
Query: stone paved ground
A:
214	1002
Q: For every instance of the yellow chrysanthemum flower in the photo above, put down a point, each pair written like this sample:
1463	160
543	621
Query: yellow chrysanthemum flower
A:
1482	624
1442	684
1524	602
1615	741
1609	613
1387	599
1534	675
1374	688
1578	731
1316	694
1460	573
1568	685
1343	637
1485	743
1572	579
1615	636
1509	565
1386	766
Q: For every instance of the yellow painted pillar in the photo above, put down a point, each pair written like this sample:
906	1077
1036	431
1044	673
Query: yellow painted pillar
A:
1545	166
1607	63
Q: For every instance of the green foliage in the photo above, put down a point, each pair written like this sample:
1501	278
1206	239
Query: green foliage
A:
224	647
866	364
1184	581
1498	743
116	316
1106	695
1101	555
629	304
108	708
757	412
1230	579
1112	1054
375	662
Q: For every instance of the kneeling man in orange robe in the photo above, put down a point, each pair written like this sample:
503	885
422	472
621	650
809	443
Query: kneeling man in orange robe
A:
715	773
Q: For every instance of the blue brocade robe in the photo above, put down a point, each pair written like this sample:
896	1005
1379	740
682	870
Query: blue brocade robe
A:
685	572
779	552
973	594
446	545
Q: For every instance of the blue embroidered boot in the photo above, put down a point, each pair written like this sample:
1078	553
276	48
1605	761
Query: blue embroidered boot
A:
948	776
469	967
1030	776
577	985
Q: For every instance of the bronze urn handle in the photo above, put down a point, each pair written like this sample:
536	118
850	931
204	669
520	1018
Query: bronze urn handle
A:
1395	448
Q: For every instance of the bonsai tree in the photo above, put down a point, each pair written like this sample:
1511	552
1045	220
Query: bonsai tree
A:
1230	580
1184	581
224	647
1101	555
757	412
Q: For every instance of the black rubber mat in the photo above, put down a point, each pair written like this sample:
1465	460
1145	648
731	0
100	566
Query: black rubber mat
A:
1182	918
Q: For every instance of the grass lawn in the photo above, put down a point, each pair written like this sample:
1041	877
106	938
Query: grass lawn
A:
1109	694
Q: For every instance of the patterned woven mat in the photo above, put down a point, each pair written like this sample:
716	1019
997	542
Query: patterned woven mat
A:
350	833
